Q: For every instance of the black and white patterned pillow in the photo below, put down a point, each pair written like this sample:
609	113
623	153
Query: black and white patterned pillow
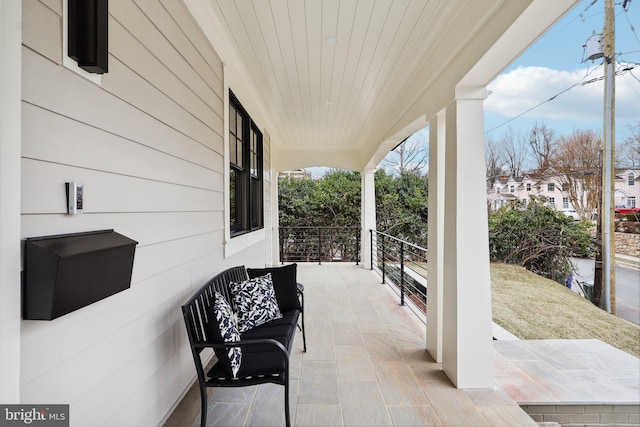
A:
255	302
225	319
284	283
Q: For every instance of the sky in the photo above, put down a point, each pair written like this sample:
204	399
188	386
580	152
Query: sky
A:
557	62
554	67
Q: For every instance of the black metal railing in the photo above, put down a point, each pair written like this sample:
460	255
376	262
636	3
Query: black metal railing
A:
403	264
320	244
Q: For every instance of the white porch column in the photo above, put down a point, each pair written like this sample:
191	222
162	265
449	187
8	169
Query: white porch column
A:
10	149
367	214
435	254
275	220
467	325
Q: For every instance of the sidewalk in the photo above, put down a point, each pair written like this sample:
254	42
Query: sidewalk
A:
628	261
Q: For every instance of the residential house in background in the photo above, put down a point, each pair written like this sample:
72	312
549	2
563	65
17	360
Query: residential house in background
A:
505	191
627	185
295	174
517	191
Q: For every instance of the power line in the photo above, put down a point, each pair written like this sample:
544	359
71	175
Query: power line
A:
557	32
580	83
633	30
587	8
543	102
625	8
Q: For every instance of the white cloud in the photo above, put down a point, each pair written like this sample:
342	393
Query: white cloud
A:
523	88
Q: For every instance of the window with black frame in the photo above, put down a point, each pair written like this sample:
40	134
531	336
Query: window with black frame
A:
245	171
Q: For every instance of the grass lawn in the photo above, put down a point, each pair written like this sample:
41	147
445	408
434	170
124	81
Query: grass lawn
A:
532	307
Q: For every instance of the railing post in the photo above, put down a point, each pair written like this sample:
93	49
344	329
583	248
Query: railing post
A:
280	240
319	246
371	249
382	236
401	272
357	246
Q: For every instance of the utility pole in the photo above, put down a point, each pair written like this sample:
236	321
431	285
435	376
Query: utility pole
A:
608	172
597	273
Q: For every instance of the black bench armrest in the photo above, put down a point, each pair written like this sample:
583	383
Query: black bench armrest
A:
245	343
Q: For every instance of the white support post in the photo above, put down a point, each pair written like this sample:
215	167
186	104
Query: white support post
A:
367	214
435	254
10	151
275	220
467	325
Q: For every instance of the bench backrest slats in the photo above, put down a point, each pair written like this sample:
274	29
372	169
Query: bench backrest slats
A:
195	310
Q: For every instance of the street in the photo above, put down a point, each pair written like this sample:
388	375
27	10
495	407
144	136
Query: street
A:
627	287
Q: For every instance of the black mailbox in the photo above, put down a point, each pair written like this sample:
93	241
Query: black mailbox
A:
66	272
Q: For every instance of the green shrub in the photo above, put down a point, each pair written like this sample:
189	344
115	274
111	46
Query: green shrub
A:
628	226
538	238
628	222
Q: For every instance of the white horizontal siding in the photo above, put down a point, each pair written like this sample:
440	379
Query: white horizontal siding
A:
186	40
127	50
42	27
139	47
44	191
124	83
198	41
65	141
63	93
105	320
94	328
148	146
148	228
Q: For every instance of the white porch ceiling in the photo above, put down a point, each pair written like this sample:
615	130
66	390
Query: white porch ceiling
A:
342	81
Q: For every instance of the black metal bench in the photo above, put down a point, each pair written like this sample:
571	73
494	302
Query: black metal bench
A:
265	348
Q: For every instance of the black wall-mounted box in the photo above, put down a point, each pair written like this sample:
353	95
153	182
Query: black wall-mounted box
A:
66	272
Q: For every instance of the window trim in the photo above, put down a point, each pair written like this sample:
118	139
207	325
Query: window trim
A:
631	178
243	241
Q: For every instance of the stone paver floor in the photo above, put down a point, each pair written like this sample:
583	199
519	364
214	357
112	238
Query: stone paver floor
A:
366	365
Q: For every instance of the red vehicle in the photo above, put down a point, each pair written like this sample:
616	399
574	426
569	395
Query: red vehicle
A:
621	209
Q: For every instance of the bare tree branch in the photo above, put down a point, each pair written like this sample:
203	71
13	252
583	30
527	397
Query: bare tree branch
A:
515	152
541	140
494	160
577	162
628	153
412	157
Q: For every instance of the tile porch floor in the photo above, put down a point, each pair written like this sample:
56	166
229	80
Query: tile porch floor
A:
366	366
567	372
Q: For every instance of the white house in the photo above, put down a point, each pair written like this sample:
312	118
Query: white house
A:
627	188
550	185
203	94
